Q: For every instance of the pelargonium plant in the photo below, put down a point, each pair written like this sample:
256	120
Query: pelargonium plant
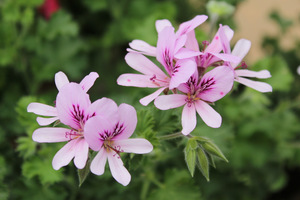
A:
189	74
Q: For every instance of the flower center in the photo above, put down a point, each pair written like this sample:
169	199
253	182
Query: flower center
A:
109	146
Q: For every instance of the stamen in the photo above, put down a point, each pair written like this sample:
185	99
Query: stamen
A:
205	43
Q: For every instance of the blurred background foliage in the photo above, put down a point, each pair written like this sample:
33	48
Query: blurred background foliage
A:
260	133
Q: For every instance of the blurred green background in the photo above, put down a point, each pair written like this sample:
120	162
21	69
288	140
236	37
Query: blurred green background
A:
260	133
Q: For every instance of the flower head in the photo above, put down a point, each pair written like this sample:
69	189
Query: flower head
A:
48	8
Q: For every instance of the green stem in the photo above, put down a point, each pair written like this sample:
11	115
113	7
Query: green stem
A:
173	136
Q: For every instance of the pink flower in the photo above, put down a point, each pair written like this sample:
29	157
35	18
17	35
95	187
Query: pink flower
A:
211	52
109	135
139	46
240	50
48	8
213	86
60	80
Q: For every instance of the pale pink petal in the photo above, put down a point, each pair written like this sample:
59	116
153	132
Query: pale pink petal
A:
142	64
81	154
188	119
184	70
95	129
208	114
60	80
224	40
191	41
257	85
143	47
88	81
161	24
127	119
42	121
165	47
139	80
167	102
240	50
186	53
227	57
64	155
249	73
216	83
104	107
117	169
180	43
98	163
190	25
147	99
50	135
42	109
216	46
136	145
72	104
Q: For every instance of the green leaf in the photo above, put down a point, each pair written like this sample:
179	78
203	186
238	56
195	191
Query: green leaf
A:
83	173
190	155
211	148
203	163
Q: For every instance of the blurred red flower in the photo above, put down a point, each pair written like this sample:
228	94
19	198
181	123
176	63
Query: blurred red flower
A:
48	8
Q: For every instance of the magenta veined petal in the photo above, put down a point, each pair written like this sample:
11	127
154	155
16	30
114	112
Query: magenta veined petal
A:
72	104
257	85
147	99
81	154
42	121
103	107
136	145
190	25
217	82
127	119
88	81
208	114
188	119
140	46
167	102
184	70
50	135
60	80
98	163
64	156
117	169
240	50
140	80
254	74
142	64
161	24
42	109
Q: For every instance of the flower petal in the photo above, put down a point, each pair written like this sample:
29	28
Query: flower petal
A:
184	70
99	161
186	53
88	81
161	24
216	83
51	134
42	109
191	41
240	50
216	46
127	118
208	114
60	80
257	85
81	154
167	102
142	64
72	104
190	25
64	155
249	73
147	99
104	107
139	80
42	121
143	47
188	119
136	145
117	169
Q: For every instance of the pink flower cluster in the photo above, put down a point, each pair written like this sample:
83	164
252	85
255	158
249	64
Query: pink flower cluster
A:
196	77
102	126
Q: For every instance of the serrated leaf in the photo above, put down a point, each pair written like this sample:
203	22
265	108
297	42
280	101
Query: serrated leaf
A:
190	159
213	149
203	163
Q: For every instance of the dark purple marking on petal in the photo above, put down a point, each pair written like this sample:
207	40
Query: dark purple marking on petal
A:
108	135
